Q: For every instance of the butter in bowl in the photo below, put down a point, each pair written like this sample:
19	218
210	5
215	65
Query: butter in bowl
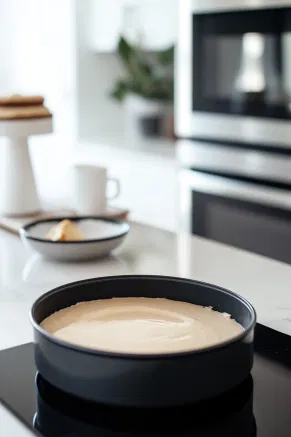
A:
74	238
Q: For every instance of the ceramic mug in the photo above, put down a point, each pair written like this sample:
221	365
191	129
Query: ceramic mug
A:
90	188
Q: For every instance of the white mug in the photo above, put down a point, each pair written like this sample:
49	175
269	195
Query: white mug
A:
90	186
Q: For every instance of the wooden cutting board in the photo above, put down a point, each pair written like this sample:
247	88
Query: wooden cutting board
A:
14	224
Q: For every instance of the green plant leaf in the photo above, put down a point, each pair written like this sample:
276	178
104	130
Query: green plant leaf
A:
149	74
124	50
166	57
120	90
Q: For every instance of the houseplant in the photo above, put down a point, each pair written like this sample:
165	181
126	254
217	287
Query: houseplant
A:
148	85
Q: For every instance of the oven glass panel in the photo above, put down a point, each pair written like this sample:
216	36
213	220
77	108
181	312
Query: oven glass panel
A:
242	63
260	229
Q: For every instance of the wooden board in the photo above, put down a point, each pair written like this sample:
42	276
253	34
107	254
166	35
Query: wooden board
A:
14	224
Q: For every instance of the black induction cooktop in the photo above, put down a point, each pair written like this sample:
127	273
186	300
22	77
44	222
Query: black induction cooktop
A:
260	406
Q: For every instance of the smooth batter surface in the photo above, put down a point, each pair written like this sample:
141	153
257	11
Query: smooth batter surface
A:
141	325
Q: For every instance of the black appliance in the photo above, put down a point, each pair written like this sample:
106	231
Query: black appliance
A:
233	71
232	119
237	196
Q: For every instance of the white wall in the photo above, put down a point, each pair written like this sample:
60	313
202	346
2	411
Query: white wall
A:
98	116
37	52
38	56
47	51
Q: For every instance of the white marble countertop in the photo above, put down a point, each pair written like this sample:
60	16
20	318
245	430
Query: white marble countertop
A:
24	276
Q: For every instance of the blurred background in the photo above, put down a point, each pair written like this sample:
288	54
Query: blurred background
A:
68	52
186	103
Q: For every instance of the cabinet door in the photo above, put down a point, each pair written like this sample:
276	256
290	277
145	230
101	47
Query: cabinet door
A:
157	22
106	23
152	23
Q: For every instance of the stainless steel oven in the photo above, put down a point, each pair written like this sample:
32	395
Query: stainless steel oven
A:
233	71
238	197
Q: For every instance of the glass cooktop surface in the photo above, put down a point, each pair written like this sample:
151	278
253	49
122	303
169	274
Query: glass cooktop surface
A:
260	406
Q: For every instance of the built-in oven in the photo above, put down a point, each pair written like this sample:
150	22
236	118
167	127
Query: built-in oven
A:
233	71
238	197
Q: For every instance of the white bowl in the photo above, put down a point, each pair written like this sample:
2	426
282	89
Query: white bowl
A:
102	236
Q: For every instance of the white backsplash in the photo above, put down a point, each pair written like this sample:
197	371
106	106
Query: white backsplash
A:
98	115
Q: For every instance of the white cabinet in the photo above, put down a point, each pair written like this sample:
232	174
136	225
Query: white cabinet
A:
158	22
153	23
105	24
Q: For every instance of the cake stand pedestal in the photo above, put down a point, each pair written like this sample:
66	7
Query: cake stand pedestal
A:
18	194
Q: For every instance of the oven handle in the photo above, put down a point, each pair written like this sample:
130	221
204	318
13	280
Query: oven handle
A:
211	6
190	180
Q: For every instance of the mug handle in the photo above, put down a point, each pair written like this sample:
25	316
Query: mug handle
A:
117	188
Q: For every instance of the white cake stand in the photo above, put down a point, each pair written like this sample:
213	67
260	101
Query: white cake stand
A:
18	195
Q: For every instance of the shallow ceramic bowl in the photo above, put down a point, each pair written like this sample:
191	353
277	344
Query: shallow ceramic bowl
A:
102	236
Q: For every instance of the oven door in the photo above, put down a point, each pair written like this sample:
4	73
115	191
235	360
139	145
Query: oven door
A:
254	217
233	71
